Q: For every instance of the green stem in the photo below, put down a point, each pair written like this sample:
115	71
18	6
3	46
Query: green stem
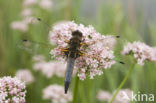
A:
123	82
75	89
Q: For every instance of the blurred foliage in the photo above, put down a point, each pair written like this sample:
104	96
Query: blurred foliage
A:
110	19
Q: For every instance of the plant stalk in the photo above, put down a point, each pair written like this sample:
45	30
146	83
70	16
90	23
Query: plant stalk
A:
75	89
123	82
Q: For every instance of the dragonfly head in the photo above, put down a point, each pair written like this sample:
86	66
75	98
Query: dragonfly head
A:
77	34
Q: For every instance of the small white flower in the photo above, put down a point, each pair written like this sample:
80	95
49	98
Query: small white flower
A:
19	25
29	2
124	96
104	96
141	52
12	90
46	4
55	93
51	68
25	75
26	12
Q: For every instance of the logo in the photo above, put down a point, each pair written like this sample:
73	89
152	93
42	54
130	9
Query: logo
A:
138	97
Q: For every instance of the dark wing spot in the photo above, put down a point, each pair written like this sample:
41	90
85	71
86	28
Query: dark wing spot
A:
121	62
117	36
39	19
24	40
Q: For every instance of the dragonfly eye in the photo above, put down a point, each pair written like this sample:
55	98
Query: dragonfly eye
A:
77	33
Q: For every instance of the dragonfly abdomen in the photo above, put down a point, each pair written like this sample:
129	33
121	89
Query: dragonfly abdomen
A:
70	66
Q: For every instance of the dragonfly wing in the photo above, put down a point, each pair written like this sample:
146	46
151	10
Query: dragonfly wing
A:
32	47
70	66
107	41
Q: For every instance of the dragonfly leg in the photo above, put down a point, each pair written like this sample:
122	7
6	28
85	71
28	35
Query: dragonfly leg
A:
80	54
65	50
67	41
83	44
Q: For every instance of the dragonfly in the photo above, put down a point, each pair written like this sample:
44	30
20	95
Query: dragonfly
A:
72	52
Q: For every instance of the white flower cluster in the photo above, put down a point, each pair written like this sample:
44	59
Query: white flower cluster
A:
141	52
99	49
104	95
29	2
46	4
123	96
25	75
12	90
55	93
49	68
27	14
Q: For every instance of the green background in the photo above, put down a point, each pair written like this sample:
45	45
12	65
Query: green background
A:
108	17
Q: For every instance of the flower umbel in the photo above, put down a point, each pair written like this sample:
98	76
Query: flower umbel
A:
99	48
104	95
28	12
46	4
123	96
56	94
49	68
25	75
141	52
12	90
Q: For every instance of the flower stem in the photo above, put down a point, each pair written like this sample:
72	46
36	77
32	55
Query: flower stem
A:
75	89
123	82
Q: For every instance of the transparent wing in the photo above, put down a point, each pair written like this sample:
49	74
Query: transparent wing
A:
33	47
107	41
